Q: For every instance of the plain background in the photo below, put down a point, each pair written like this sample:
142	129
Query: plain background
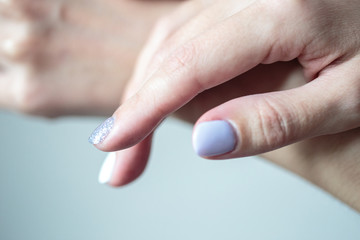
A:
49	190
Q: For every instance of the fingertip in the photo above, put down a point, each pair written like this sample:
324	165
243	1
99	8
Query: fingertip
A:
130	163
126	170
129	125
101	132
114	173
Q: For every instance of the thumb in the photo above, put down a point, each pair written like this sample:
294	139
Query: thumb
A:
260	123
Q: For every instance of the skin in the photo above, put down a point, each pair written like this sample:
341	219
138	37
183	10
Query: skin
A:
52	40
58	57
324	70
193	57
331	162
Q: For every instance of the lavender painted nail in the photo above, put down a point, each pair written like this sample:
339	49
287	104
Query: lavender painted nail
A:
101	132
214	138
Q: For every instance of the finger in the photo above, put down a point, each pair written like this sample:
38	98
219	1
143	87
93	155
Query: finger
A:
200	64
261	79
123	167
188	20
161	32
196	17
18	42
163	29
261	123
247	83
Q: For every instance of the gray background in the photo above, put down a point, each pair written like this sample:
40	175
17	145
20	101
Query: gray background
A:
49	190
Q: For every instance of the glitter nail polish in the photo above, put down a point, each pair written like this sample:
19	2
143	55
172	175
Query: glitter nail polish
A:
101	132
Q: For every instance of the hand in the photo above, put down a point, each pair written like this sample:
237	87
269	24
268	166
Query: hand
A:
228	38
62	57
259	80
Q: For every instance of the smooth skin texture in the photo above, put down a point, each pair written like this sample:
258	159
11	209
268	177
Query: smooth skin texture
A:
331	162
77	39
204	51
214	54
64	57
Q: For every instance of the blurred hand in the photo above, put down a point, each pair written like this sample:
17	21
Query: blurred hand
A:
60	57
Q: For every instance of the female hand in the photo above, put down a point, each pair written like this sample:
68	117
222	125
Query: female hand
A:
226	39
330	161
316	159
60	57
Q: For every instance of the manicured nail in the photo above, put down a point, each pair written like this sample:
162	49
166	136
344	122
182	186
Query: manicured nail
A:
214	138
101	132
107	168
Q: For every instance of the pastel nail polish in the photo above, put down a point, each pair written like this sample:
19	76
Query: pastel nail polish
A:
214	138
102	131
107	168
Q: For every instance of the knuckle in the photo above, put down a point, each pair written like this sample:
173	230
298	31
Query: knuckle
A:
285	43
274	123
182	58
22	48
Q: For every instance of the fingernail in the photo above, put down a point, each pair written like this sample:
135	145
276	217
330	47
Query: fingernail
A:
102	131
214	138
107	168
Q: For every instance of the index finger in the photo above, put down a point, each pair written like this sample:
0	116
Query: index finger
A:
230	48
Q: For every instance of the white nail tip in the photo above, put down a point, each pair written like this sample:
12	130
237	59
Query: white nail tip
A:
107	168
